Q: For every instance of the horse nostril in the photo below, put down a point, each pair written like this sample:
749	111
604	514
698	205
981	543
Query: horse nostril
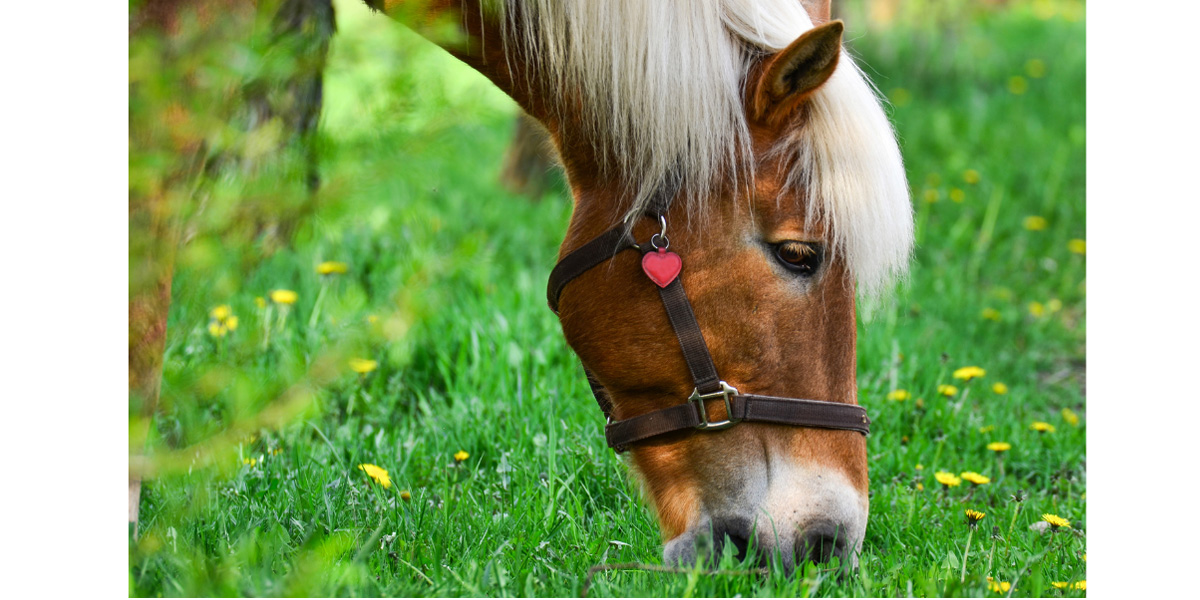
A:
820	542
736	532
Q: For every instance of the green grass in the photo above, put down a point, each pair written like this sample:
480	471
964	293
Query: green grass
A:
446	290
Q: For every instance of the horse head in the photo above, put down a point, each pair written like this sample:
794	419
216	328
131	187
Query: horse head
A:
742	136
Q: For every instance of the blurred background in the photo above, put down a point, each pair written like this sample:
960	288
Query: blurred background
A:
353	232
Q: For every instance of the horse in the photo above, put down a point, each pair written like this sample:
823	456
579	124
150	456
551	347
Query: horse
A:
739	147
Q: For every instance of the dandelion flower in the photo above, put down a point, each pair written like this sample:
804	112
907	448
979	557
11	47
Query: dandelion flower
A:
920	487
920	467
947	479
1077	246
461	455
231	322
999	447
899	395
998	586
971	176
947	390
405	496
377	473
999	388
975	478
974	516
969	373
958	195
987	429
363	366
1037	309
331	267
217	330
1041	427
284	296
249	461
221	312
990	314
1056	521
1070	417
1063	585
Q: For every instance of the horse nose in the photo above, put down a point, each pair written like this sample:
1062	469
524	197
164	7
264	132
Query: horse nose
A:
820	542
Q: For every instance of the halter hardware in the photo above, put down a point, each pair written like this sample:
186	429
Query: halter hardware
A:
699	399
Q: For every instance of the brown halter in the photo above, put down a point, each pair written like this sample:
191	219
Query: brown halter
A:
663	269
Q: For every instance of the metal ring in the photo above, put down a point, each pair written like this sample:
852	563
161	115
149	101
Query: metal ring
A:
665	239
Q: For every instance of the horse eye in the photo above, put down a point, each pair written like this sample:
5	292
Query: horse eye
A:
801	257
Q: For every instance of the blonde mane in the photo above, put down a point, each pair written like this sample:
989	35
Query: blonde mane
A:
663	85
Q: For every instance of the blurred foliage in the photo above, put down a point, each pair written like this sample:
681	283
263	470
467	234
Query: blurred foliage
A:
263	421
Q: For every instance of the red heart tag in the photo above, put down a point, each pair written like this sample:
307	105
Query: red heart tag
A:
662	267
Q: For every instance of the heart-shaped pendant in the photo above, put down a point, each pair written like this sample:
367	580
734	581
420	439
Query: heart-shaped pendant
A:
662	267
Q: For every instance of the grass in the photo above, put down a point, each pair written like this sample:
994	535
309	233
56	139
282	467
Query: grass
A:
445	289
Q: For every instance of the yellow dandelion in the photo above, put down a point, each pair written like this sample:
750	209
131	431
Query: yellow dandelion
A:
1035	68
1063	585
1018	85
920	467
1077	246
217	330
932	196
1035	223
1041	427
1056	521
260	302
999	388
998	586
947	390
231	322
974	516
249	461
987	429
363	366
377	473
920	403
331	267
990	314
1070	417
898	395
958	195
1037	309
920	487
969	373
999	447
976	478
221	312
461	455
405	496
277	452
284	296
971	176
947	479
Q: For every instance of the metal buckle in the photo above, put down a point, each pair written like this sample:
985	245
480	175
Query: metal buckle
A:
726	391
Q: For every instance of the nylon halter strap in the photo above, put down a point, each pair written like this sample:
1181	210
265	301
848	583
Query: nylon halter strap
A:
695	413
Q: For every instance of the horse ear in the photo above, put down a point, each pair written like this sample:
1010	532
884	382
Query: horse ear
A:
818	10
792	75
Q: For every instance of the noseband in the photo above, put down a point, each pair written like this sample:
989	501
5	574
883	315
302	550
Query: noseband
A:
663	269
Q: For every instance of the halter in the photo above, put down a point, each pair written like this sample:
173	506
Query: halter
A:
663	268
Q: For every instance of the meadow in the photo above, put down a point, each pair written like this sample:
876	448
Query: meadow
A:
415	339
